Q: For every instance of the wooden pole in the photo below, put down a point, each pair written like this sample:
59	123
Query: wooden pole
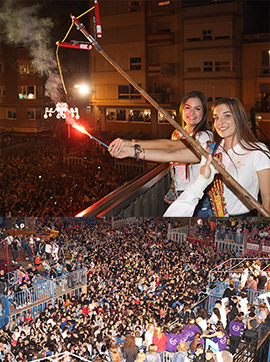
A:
244	193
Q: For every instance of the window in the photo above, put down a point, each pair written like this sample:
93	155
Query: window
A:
11	114
134	94
139	115
2	91
207	66
123	92
134	6
135	63
31	113
110	114
128	115
128	92
27	92
164	3
25	68
120	114
207	34
222	66
162	119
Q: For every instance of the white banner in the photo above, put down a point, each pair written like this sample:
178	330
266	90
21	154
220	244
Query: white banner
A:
252	247
266	249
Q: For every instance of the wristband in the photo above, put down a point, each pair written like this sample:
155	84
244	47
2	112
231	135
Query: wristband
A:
137	151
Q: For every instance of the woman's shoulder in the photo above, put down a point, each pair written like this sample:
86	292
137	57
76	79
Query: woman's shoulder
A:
204	136
254	146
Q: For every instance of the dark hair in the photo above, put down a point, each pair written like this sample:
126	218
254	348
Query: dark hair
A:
217	313
220	327
239	317
246	138
203	124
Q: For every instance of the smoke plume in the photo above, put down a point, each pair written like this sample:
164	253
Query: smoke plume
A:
22	25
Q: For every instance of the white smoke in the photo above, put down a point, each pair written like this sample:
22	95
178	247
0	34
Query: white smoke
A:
22	25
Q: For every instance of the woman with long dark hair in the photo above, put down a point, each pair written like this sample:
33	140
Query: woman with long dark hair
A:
194	119
246	159
130	350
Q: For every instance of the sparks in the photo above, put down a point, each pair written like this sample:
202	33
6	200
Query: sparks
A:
81	129
70	114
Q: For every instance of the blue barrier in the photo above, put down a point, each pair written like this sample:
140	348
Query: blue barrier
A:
37	297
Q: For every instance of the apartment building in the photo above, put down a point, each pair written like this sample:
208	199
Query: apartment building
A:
170	48
22	99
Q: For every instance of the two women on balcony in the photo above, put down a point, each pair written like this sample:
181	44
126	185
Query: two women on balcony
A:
246	159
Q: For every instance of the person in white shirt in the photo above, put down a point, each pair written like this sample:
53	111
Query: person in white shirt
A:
194	119
246	159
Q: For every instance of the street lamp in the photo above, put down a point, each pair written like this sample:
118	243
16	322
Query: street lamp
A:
83	89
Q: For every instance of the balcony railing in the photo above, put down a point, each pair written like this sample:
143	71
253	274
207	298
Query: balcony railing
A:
142	197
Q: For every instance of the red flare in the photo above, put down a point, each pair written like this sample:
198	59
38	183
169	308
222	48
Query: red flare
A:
75	45
98	23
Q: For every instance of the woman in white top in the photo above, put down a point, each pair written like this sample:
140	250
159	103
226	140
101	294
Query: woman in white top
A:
246	159
193	114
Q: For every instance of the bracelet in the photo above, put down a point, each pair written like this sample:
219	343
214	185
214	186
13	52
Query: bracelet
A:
137	151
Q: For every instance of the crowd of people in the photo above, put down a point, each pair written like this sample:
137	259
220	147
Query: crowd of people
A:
37	181
139	299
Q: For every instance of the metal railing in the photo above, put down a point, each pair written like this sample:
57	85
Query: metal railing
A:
229	267
69	281
43	290
142	197
15	149
28	296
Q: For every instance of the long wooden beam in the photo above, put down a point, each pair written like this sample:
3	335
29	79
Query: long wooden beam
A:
243	192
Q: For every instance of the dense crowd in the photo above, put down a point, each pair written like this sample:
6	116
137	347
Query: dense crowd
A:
141	289
37	182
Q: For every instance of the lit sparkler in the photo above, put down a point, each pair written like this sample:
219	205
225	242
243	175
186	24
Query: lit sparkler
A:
70	114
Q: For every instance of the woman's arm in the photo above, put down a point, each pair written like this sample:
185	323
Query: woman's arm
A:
209	335
264	183
184	155
185	205
158	144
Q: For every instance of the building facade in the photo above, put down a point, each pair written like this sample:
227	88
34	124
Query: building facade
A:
170	48
22	99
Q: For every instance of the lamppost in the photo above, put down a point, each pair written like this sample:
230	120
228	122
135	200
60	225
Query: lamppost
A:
82	89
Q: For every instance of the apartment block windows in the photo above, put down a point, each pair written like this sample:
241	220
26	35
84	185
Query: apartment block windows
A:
27	92
11	114
128	92
208	66
128	115
134	6
162	119
26	68
207	34
123	92
222	66
2	91
31	113
135	63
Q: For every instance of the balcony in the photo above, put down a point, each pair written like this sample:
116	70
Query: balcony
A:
143	197
165	38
